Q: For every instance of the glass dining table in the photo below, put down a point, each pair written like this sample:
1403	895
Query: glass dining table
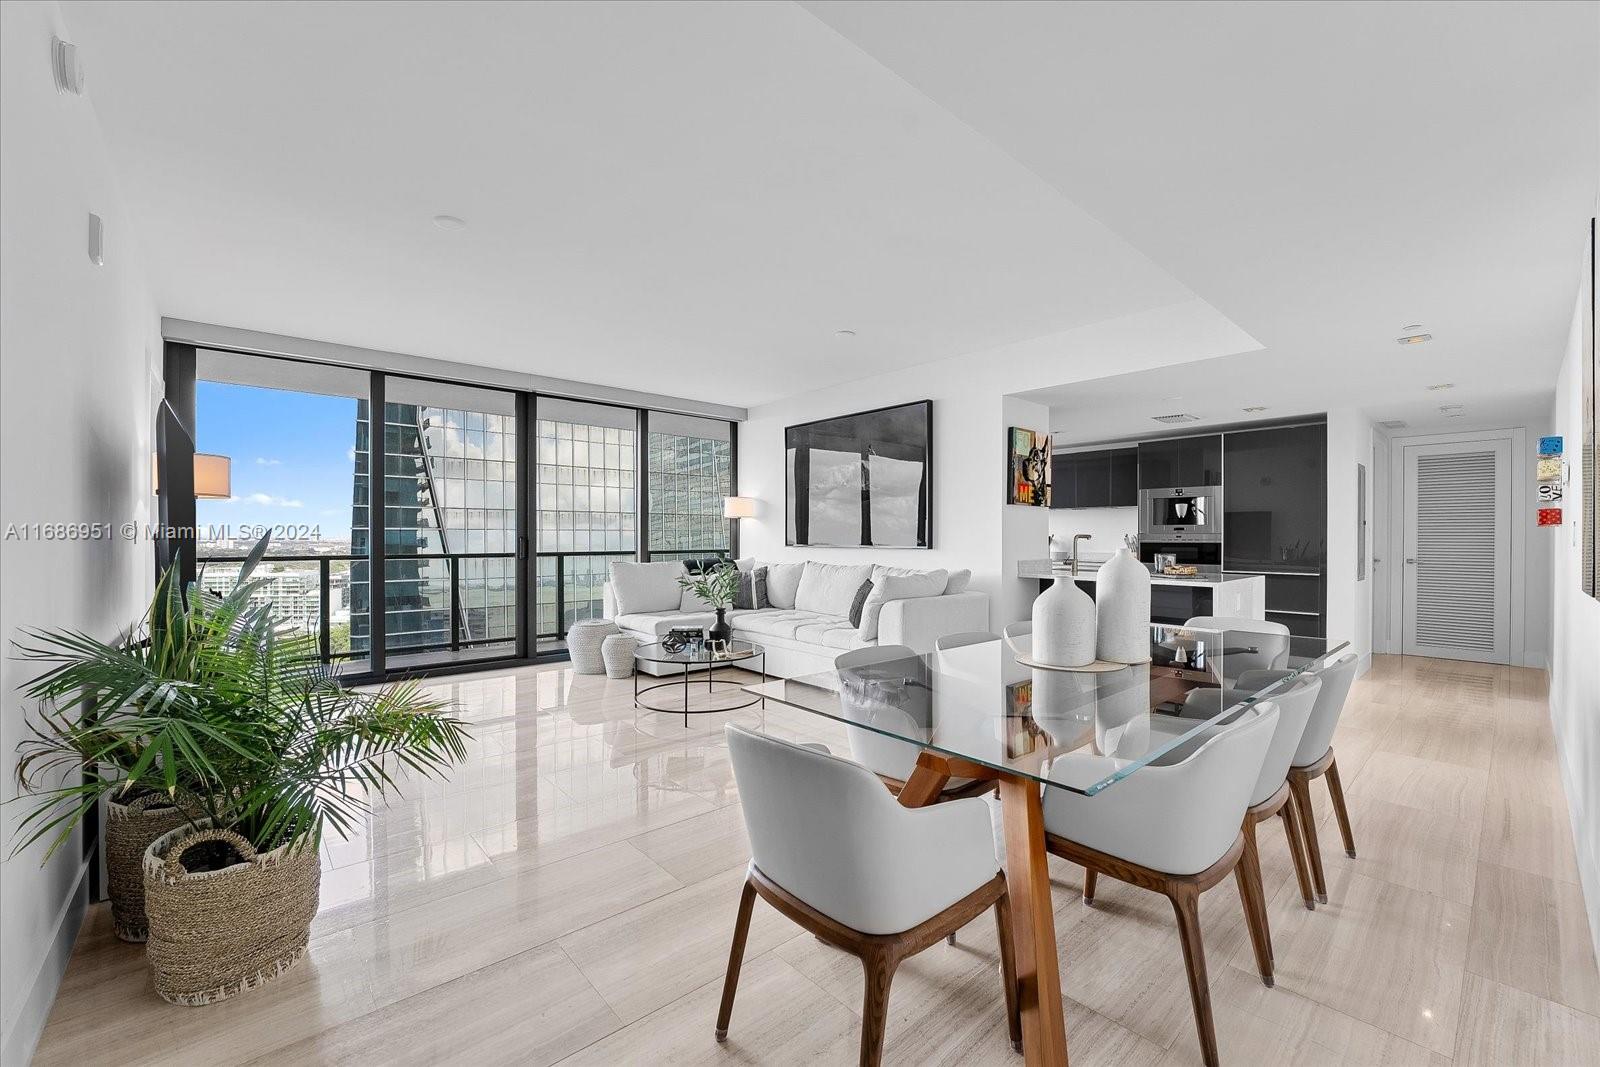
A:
988	711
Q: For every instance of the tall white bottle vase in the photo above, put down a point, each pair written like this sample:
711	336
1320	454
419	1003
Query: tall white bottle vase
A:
1122	713
1063	625
1122	606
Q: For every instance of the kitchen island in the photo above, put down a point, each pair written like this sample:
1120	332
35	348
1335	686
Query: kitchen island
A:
1172	600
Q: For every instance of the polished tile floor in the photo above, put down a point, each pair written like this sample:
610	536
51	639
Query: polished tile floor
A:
568	896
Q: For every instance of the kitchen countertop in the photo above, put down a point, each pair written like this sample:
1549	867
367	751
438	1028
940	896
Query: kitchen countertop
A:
1043	568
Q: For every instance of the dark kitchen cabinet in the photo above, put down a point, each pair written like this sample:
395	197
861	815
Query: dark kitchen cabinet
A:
1275	503
1178	462
1104	478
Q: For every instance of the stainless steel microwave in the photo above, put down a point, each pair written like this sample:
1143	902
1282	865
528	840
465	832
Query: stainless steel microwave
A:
1185	514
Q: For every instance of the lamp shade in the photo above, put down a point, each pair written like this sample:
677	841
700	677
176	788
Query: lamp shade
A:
213	476
738	507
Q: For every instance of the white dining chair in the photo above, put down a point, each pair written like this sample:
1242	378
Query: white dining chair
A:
1173	828
835	853
869	700
1272	643
961	640
1314	759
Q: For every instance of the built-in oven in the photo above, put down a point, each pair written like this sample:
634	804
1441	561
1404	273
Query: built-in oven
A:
1181	514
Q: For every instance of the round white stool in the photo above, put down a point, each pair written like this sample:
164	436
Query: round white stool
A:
617	652
583	644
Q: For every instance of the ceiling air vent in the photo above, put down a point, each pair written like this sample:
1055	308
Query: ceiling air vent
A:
1394	424
1170	419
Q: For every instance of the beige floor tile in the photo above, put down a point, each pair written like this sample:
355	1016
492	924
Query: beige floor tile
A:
696	848
650	955
1462	736
1446	789
1386	955
1533	933
1504	1027
1528	830
1408	847
778	1017
532	1009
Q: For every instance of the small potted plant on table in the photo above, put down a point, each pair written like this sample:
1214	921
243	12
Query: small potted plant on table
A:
717	586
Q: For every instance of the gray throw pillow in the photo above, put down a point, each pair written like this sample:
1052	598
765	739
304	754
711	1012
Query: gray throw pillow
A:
860	602
752	591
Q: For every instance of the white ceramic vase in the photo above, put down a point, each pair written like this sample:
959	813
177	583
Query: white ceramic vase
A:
1063	625
1122	606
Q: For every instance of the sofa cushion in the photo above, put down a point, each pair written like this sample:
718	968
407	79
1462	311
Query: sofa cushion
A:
783	581
775	623
658	623
859	603
830	588
897	583
641	587
752	592
958	582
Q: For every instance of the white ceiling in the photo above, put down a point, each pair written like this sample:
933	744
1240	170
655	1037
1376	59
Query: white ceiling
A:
684	198
692	198
1321	173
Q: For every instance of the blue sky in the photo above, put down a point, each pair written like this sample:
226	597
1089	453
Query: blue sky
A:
293	459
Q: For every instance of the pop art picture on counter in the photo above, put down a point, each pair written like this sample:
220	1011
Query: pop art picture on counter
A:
1029	475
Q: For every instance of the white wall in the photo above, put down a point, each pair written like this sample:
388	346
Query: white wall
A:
972	526
79	359
1349	611
1575	639
1105	526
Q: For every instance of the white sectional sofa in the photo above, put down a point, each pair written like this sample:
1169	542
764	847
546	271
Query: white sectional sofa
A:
807	623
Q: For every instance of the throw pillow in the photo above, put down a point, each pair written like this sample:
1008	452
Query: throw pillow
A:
860	602
959	580
646	586
830	588
887	587
783	581
752	591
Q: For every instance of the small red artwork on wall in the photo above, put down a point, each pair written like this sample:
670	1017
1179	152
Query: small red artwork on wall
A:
1549	516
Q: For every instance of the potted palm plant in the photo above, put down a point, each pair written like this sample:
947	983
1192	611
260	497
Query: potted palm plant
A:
229	722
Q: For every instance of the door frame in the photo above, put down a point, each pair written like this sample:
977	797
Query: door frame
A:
1378	543
1395	542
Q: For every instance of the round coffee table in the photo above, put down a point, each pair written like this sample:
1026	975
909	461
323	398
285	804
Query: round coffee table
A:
737	655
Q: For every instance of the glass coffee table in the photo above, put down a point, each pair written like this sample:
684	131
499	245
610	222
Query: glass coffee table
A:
730	654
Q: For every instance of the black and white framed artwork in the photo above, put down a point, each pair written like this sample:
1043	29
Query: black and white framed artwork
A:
863	480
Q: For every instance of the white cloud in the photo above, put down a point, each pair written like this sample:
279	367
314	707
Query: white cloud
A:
263	461
268	501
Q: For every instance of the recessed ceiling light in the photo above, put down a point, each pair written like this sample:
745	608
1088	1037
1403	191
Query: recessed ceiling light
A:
1441	387
1257	408
1452	411
844	333
1415	338
449	222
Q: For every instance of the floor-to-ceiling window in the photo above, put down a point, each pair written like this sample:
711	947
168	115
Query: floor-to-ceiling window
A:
496	514
688	473
291	434
586	463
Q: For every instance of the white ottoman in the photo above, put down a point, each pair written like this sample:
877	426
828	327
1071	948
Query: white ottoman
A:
617	652
583	644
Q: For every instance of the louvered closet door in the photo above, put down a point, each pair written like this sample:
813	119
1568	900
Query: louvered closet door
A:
1458	551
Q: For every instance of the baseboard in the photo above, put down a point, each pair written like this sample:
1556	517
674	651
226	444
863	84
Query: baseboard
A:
19	1041
1363	663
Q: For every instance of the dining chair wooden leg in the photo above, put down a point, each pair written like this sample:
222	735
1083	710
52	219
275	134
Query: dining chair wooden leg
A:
879	968
1008	970
1186	906
730	984
1336	792
1247	872
1090	877
950	938
1289	813
1300	787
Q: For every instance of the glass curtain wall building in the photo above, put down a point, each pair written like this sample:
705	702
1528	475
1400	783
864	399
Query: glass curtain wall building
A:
688	472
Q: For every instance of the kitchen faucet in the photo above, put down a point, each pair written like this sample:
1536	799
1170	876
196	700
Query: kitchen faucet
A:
1075	539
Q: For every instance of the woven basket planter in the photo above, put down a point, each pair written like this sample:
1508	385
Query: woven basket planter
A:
130	828
214	934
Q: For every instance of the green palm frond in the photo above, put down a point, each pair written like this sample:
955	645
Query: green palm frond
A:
209	697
